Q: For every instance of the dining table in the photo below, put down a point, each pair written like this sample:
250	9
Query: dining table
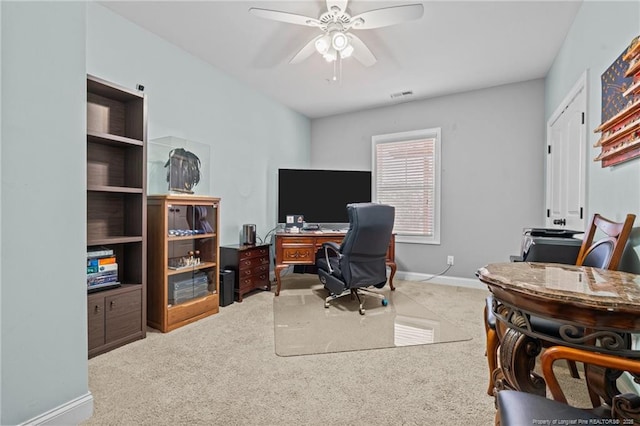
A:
591	309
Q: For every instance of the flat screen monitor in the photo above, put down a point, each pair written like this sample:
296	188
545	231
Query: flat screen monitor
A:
321	196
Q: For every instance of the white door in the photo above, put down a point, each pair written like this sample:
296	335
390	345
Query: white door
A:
566	162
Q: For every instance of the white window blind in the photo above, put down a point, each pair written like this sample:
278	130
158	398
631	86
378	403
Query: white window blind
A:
407	177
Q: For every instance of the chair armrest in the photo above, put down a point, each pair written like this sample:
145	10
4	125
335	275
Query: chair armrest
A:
555	353
626	406
331	245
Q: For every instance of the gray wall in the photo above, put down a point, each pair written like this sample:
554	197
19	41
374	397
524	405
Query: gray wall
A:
250	135
599	34
43	307
492	168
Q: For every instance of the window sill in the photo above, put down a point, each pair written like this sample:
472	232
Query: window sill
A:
415	239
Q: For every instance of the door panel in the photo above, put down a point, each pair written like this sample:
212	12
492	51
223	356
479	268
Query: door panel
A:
566	164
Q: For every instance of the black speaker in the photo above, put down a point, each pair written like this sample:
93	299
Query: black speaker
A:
227	278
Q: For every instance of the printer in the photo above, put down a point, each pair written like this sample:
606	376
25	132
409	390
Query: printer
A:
549	245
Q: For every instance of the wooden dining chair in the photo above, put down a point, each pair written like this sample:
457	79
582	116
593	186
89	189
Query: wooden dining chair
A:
605	253
519	408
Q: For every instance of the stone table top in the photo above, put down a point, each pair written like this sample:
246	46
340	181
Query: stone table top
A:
578	285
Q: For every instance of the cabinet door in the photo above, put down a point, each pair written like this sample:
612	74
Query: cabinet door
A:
95	310
123	315
192	252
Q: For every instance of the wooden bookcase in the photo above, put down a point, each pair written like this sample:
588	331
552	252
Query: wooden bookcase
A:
183	255
116	214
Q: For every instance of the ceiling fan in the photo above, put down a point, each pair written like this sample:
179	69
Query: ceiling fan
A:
336	40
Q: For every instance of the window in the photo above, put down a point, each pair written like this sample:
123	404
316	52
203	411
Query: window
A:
406	175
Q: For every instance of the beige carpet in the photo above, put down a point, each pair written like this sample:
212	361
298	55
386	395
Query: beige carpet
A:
303	325
223	370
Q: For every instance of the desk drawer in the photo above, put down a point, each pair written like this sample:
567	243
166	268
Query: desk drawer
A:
253	263
301	254
322	240
249	283
247	272
297	240
254	252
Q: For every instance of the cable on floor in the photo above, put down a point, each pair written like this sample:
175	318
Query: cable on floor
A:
436	275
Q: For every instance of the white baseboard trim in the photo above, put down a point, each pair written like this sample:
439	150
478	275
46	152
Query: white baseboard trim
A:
444	280
73	412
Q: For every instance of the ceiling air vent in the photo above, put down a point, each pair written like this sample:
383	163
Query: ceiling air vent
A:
400	95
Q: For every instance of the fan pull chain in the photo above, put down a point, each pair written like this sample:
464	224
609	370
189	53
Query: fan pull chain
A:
337	70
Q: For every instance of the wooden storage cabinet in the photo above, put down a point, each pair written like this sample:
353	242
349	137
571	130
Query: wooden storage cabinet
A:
115	318
183	252
116	210
251	266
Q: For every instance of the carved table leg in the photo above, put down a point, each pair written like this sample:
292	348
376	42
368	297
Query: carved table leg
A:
277	271
518	354
393	267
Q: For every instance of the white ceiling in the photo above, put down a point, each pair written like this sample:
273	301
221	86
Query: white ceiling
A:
455	47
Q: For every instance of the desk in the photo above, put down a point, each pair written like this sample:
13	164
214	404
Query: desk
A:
300	249
605	303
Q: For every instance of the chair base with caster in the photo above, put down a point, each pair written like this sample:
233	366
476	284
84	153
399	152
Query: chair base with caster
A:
357	292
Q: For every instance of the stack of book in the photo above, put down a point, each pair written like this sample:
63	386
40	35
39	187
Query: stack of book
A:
102	269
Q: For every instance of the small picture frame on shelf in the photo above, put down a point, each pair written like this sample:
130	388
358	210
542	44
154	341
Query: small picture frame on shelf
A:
294	221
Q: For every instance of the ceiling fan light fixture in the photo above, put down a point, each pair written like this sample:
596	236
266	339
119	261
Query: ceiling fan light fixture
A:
331	55
346	52
323	44
339	40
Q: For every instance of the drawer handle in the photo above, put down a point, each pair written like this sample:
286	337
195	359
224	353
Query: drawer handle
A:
97	309
247	281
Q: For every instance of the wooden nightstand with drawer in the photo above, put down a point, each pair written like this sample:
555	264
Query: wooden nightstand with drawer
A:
251	266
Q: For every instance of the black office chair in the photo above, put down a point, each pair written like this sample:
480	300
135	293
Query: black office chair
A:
360	261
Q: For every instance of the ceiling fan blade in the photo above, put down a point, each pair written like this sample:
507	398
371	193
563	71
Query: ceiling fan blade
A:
290	18
361	52
341	4
305	52
385	17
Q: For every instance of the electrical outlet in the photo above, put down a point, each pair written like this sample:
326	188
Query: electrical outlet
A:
450	260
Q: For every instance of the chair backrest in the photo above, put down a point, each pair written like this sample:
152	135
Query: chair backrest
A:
364	248
606	252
